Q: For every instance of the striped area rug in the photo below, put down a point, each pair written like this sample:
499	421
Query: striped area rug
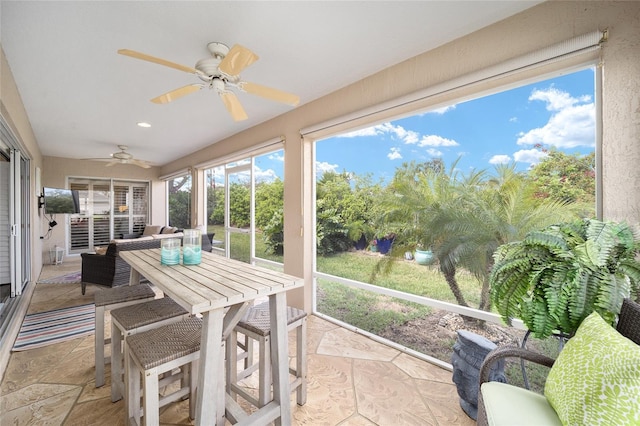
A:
46	328
73	277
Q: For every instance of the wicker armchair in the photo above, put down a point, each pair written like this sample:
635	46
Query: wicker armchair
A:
109	269
628	325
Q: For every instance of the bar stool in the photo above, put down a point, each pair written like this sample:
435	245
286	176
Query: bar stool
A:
135	319
151	353
256	325
107	300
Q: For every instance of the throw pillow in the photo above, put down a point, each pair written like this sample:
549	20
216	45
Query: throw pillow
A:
151	229
596	378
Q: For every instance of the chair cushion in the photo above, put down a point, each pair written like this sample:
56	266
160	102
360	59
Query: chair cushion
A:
151	229
100	250
162	236
509	405
133	241
168	230
596	378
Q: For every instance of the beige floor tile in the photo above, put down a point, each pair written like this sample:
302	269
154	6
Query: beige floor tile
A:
50	406
443	401
420	369
387	395
357	420
33	394
345	343
352	380
330	392
100	412
29	367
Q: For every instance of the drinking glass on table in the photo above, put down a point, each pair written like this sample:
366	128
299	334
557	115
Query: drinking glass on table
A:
170	251
191	247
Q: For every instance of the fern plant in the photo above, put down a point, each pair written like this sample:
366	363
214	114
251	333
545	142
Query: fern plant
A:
556	277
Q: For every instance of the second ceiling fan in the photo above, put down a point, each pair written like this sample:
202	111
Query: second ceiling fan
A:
220	72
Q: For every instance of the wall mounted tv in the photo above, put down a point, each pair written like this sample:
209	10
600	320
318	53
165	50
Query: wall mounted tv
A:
61	201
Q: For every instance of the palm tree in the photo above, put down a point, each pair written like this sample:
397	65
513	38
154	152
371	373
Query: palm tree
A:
463	219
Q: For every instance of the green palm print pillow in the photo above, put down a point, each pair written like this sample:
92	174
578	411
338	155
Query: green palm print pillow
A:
596	378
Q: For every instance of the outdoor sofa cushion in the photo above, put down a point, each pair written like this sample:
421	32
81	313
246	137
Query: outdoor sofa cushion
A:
151	229
504	403
596	378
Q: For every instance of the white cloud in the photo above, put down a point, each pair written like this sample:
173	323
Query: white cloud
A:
435	140
513	120
323	166
557	100
531	156
369	131
407	136
268	175
276	157
394	154
442	110
571	125
500	159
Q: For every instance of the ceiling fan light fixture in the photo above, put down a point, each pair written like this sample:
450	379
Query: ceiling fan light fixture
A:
122	157
217	49
208	67
220	72
218	85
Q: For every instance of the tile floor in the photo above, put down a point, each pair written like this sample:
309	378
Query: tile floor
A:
352	380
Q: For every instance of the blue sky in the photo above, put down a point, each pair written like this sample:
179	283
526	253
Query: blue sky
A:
494	129
499	128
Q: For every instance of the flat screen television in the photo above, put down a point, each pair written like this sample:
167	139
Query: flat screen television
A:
61	201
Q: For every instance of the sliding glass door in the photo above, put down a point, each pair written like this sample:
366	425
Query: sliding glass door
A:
108	209
15	224
245	208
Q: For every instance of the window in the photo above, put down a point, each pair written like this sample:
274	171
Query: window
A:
180	201
547	122
108	209
247	220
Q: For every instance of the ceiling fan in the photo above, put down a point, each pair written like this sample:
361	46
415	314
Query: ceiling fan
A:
219	72
122	157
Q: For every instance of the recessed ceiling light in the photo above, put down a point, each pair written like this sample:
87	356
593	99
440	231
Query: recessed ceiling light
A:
143	124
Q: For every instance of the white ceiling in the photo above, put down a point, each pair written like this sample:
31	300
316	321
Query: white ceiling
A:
83	99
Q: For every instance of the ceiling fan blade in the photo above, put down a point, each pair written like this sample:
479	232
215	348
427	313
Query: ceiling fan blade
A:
270	93
238	58
177	93
140	163
160	61
233	106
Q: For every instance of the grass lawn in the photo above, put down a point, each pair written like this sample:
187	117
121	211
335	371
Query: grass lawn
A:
376	313
361	308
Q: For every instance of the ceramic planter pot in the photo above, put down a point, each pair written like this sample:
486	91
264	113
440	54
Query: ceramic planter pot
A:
424	257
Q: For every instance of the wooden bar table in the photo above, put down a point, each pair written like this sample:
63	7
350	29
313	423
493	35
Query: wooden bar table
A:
221	290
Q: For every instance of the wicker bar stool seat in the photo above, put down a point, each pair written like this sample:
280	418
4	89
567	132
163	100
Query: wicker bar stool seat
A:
256	325
151	353
135	319
107	300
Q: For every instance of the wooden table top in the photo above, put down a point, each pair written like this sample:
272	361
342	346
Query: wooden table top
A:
217	282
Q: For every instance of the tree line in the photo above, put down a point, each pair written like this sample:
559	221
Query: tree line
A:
462	217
